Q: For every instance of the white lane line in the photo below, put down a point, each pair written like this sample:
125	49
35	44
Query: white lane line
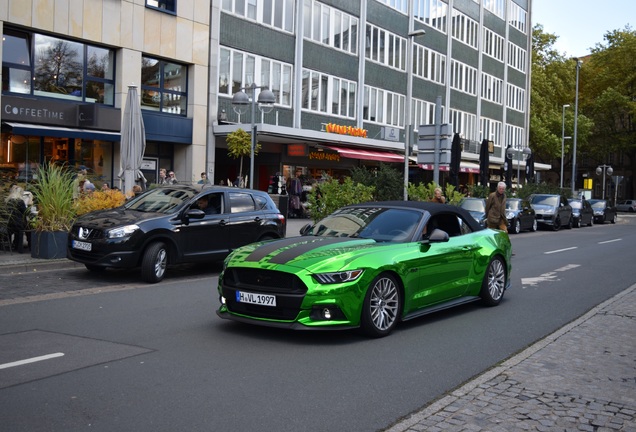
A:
610	241
559	250
546	277
30	360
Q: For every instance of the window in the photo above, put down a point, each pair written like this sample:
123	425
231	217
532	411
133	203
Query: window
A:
493	45
423	112
238	70
384	47
463	77
328	94
399	5
491	130
464	123
278	14
431	13
464	29
517	17
491	88
495	6
163	5
515	137
383	107
164	86
57	68
516	57
428	64
330	26
516	98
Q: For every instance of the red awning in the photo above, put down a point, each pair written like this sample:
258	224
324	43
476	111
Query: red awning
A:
367	154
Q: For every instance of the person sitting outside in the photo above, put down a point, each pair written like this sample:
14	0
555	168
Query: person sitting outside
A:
17	220
438	197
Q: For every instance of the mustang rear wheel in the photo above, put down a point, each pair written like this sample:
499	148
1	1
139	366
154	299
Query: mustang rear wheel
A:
494	284
382	306
154	263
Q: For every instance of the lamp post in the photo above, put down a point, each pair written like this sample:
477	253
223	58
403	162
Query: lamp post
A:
563	138
241	102
525	153
576	118
409	96
604	170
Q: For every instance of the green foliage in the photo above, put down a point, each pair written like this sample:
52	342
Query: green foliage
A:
541	188
422	192
453	196
330	195
479	191
387	181
53	195
239	145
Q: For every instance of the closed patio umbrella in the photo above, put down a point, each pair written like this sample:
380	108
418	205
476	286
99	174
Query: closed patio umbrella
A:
484	164
456	157
133	141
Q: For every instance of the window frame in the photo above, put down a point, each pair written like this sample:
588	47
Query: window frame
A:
162	90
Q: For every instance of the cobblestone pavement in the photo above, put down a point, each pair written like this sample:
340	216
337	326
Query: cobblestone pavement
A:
580	378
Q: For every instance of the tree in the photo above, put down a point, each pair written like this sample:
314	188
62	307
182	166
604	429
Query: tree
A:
239	144
609	97
553	85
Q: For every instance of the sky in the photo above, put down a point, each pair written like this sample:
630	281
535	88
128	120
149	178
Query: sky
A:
581	24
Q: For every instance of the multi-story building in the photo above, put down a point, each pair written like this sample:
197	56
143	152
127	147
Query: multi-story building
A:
337	70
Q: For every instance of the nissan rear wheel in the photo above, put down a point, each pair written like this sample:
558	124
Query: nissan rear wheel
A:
382	306
494	284
154	263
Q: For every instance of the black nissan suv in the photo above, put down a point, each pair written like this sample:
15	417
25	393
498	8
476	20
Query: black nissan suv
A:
172	225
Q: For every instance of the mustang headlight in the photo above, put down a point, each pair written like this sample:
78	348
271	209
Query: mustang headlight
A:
122	232
337	277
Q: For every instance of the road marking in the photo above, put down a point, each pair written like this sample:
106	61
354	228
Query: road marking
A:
547	277
610	241
30	360
559	250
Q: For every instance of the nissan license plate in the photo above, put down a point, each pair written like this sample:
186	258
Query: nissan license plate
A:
85	246
257	299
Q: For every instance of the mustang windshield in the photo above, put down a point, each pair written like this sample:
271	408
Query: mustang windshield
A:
379	224
164	200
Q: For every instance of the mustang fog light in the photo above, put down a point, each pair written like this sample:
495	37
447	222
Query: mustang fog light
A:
327	313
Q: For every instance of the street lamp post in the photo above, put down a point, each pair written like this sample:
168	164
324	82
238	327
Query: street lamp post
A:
409	96
525	154
563	138
576	119
604	170
241	102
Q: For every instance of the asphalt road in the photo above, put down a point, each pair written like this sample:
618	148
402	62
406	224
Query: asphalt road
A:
131	356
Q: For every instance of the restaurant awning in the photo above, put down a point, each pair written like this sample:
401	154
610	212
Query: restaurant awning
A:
62	132
367	154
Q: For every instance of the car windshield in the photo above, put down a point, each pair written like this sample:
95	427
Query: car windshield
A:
513	204
548	200
165	200
473	205
379	224
575	204
597	204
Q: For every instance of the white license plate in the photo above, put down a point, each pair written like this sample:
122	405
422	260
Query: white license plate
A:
257	299
85	246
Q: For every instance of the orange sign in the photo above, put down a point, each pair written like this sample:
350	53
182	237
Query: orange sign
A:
346	130
297	150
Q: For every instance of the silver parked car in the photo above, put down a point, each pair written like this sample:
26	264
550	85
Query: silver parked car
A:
626	206
552	210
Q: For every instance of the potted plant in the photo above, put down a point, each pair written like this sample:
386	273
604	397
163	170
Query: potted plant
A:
53	193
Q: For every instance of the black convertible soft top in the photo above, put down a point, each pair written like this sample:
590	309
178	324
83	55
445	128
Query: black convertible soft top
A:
430	207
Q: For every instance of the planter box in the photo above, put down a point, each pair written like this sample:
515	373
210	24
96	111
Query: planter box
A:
48	244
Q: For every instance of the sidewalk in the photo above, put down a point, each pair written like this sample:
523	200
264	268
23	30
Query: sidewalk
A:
580	378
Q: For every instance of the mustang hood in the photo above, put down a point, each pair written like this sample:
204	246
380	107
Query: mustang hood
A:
114	217
303	252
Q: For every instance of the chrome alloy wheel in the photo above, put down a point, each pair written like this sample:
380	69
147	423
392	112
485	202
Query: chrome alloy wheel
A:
384	303
496	279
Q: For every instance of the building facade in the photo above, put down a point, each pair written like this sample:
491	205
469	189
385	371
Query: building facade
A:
337	69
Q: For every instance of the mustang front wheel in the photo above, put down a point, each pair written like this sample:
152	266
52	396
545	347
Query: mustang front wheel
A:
382	306
494	284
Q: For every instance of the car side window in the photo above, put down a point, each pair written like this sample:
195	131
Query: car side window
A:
261	202
241	202
446	222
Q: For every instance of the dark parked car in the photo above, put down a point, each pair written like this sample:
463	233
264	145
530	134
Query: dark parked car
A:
582	213
520	215
477	209
552	210
172	225
603	211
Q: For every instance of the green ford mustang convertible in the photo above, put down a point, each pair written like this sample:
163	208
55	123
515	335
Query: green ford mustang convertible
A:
367	265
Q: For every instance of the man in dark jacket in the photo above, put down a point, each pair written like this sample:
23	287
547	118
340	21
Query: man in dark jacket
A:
496	208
